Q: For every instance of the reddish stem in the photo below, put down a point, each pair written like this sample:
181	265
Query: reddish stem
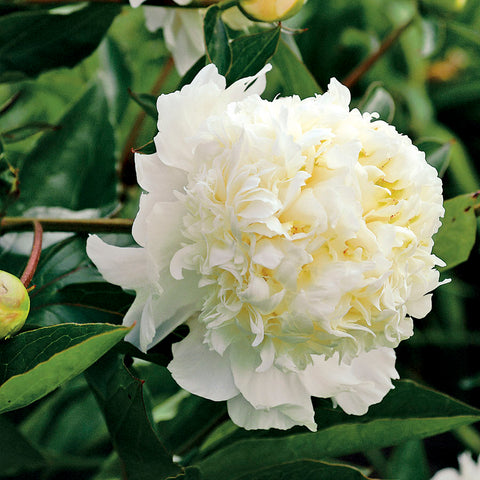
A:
368	63
34	256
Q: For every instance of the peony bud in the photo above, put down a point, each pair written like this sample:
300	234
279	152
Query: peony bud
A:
270	10
14	304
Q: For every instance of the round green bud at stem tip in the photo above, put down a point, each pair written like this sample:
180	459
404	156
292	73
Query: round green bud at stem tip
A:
14	304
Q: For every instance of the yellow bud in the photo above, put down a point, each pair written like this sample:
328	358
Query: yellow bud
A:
14	304
270	10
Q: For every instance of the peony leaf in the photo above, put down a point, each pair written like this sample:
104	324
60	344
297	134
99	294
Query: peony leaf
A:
216	40
17	454
147	102
456	237
250	53
67	287
116	78
293	76
304	469
408	462
36	362
120	396
408	412
73	167
33	42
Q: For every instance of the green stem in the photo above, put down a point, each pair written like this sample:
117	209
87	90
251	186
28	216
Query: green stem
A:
378	461
96	225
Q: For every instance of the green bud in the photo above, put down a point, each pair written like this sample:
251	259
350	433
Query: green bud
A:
14	304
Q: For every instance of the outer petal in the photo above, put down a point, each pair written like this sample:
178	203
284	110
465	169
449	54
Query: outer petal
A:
127	267
271	388
356	386
282	417
199	370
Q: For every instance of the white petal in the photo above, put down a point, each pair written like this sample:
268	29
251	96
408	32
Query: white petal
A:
282	417
267	389
353	386
127	267
156	177
199	370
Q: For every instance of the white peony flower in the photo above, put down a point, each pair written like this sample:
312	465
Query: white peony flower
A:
183	29
469	470
294	237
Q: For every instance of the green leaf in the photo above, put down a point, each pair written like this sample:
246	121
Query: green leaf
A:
33	42
9	182
456	237
147	102
302	470
36	362
67	421
408	412
294	78
17	455
21	133
120	396
116	78
250	53
437	154
67	287
216	40
377	99
73	167
408	462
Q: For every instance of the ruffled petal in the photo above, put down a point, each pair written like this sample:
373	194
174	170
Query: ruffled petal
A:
282	417
199	370
353	386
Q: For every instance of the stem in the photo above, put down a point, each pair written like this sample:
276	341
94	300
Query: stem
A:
96	225
358	72
29	271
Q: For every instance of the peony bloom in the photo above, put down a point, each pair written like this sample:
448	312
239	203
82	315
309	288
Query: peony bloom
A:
469	470
293	236
183	29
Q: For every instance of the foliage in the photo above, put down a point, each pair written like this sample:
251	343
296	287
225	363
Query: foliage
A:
78	85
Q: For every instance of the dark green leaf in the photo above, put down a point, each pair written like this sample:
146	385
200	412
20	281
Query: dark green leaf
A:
68	287
9	182
120	396
73	167
116	78
293	76
456	237
17	454
250	53
36	362
32	42
407	412
302	470
216	40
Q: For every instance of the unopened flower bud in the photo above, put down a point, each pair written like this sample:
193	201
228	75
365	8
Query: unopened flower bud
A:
14	304
270	10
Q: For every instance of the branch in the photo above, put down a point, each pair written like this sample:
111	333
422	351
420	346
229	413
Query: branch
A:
368	63
96	225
